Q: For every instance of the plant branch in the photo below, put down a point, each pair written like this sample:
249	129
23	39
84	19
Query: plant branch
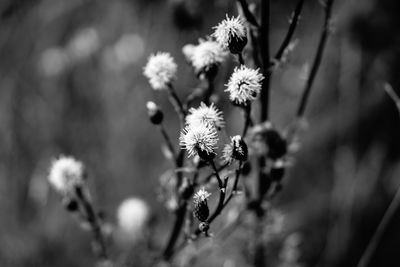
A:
264	43
168	141
176	102
317	60
93	220
292	27
247	13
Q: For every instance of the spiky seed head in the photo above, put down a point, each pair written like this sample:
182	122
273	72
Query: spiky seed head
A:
206	57
231	34
156	115
201	211
160	70
244	85
208	115
199	139
66	174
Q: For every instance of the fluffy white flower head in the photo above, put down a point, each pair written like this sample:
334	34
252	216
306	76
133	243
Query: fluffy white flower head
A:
160	70
133	214
244	84
206	54
201	195
199	137
204	114
65	174
229	28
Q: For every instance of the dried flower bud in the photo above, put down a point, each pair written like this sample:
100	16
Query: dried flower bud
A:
155	113
201	211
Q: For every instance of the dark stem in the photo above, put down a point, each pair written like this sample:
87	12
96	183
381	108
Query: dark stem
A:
235	183
317	60
176	230
168	141
176	102
264	43
292	27
247	119
247	13
208	178
93	220
241	59
209	89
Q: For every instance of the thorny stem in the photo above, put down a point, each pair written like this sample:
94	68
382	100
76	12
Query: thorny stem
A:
93	220
176	102
292	27
317	60
168	141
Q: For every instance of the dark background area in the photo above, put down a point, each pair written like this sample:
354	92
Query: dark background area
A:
71	83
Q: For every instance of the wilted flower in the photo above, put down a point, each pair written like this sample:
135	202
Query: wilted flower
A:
160	70
204	114
66	173
244	85
231	34
199	139
206	56
133	214
236	150
201	211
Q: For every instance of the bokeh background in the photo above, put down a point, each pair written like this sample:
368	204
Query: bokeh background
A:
71	83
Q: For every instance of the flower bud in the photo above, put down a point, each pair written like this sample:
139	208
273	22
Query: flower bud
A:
204	227
236	44
70	204
240	151
155	114
201	211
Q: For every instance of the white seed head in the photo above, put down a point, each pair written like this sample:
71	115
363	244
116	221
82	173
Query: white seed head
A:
229	28
206	54
65	174
201	195
160	70
204	114
244	84
199	137
133	214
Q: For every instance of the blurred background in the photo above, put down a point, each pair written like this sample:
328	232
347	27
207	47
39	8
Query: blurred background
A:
71	83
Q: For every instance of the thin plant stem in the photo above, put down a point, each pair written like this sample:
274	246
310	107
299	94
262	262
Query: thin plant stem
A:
247	119
383	224
235	183
241	59
292	27
93	220
391	210
168	142
247	13
264	43
317	60
176	102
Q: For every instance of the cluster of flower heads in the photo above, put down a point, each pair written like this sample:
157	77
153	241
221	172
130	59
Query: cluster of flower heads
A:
160	70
